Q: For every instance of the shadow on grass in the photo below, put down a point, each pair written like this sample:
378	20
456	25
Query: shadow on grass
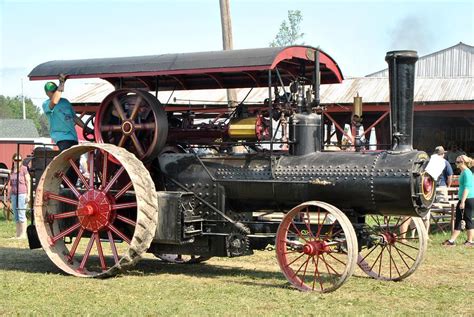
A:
26	260
36	261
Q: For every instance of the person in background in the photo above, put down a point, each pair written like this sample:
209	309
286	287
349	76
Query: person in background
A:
440	170
453	153
465	206
445	179
19	194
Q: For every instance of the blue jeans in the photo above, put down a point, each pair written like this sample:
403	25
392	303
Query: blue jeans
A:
64	145
19	211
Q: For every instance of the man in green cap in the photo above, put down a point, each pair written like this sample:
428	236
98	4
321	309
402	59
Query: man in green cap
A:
61	115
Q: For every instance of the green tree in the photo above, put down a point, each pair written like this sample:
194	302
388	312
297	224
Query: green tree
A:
12	108
289	33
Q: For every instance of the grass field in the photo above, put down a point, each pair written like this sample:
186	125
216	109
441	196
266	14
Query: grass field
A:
253	285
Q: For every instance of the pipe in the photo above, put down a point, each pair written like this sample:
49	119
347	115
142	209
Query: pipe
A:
401	75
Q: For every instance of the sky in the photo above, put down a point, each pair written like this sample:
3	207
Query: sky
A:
357	34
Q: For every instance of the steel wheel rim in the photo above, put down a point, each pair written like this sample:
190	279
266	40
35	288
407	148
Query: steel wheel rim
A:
324	257
98	213
391	258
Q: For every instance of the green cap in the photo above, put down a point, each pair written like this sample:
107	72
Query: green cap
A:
50	86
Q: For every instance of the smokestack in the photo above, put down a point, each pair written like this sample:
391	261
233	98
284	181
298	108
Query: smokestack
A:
401	75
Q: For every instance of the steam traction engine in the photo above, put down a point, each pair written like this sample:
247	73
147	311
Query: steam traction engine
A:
191	182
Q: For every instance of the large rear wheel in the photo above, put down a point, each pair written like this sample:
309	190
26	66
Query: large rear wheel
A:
97	226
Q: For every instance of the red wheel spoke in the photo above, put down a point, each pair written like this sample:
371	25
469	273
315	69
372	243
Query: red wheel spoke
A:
406	254
301	266
289	252
335	258
320	225
333	234
122	140
126	220
91	169
87	253
305	268
377	258
374	248
377	221
49	195
112	245
380	263
110	128
328	266
100	252
136	108
137	145
120	234
308	224
298	233
410	246
392	261
316	273
145	126
119	109
299	257
124	205
104	169
70	185
63	215
332	228
123	190
64	233
78	172
76	243
114	179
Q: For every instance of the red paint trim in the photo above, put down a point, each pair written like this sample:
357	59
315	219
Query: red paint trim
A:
418	107
377	121
300	52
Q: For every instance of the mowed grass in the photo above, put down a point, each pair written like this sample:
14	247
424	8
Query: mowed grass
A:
252	285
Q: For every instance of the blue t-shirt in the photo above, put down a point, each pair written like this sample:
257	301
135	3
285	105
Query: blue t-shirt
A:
61	120
448	171
466	181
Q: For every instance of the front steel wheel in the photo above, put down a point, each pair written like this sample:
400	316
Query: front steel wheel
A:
316	247
98	225
394	247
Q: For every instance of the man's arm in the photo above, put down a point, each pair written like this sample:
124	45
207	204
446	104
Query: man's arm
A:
28	186
57	94
450	173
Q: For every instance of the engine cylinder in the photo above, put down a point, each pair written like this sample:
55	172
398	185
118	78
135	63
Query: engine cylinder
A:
305	133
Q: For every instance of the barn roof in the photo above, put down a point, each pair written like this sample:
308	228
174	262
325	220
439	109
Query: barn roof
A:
376	90
201	70
372	90
454	61
12	129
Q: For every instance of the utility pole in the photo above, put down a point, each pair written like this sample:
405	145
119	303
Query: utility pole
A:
227	42
23	100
